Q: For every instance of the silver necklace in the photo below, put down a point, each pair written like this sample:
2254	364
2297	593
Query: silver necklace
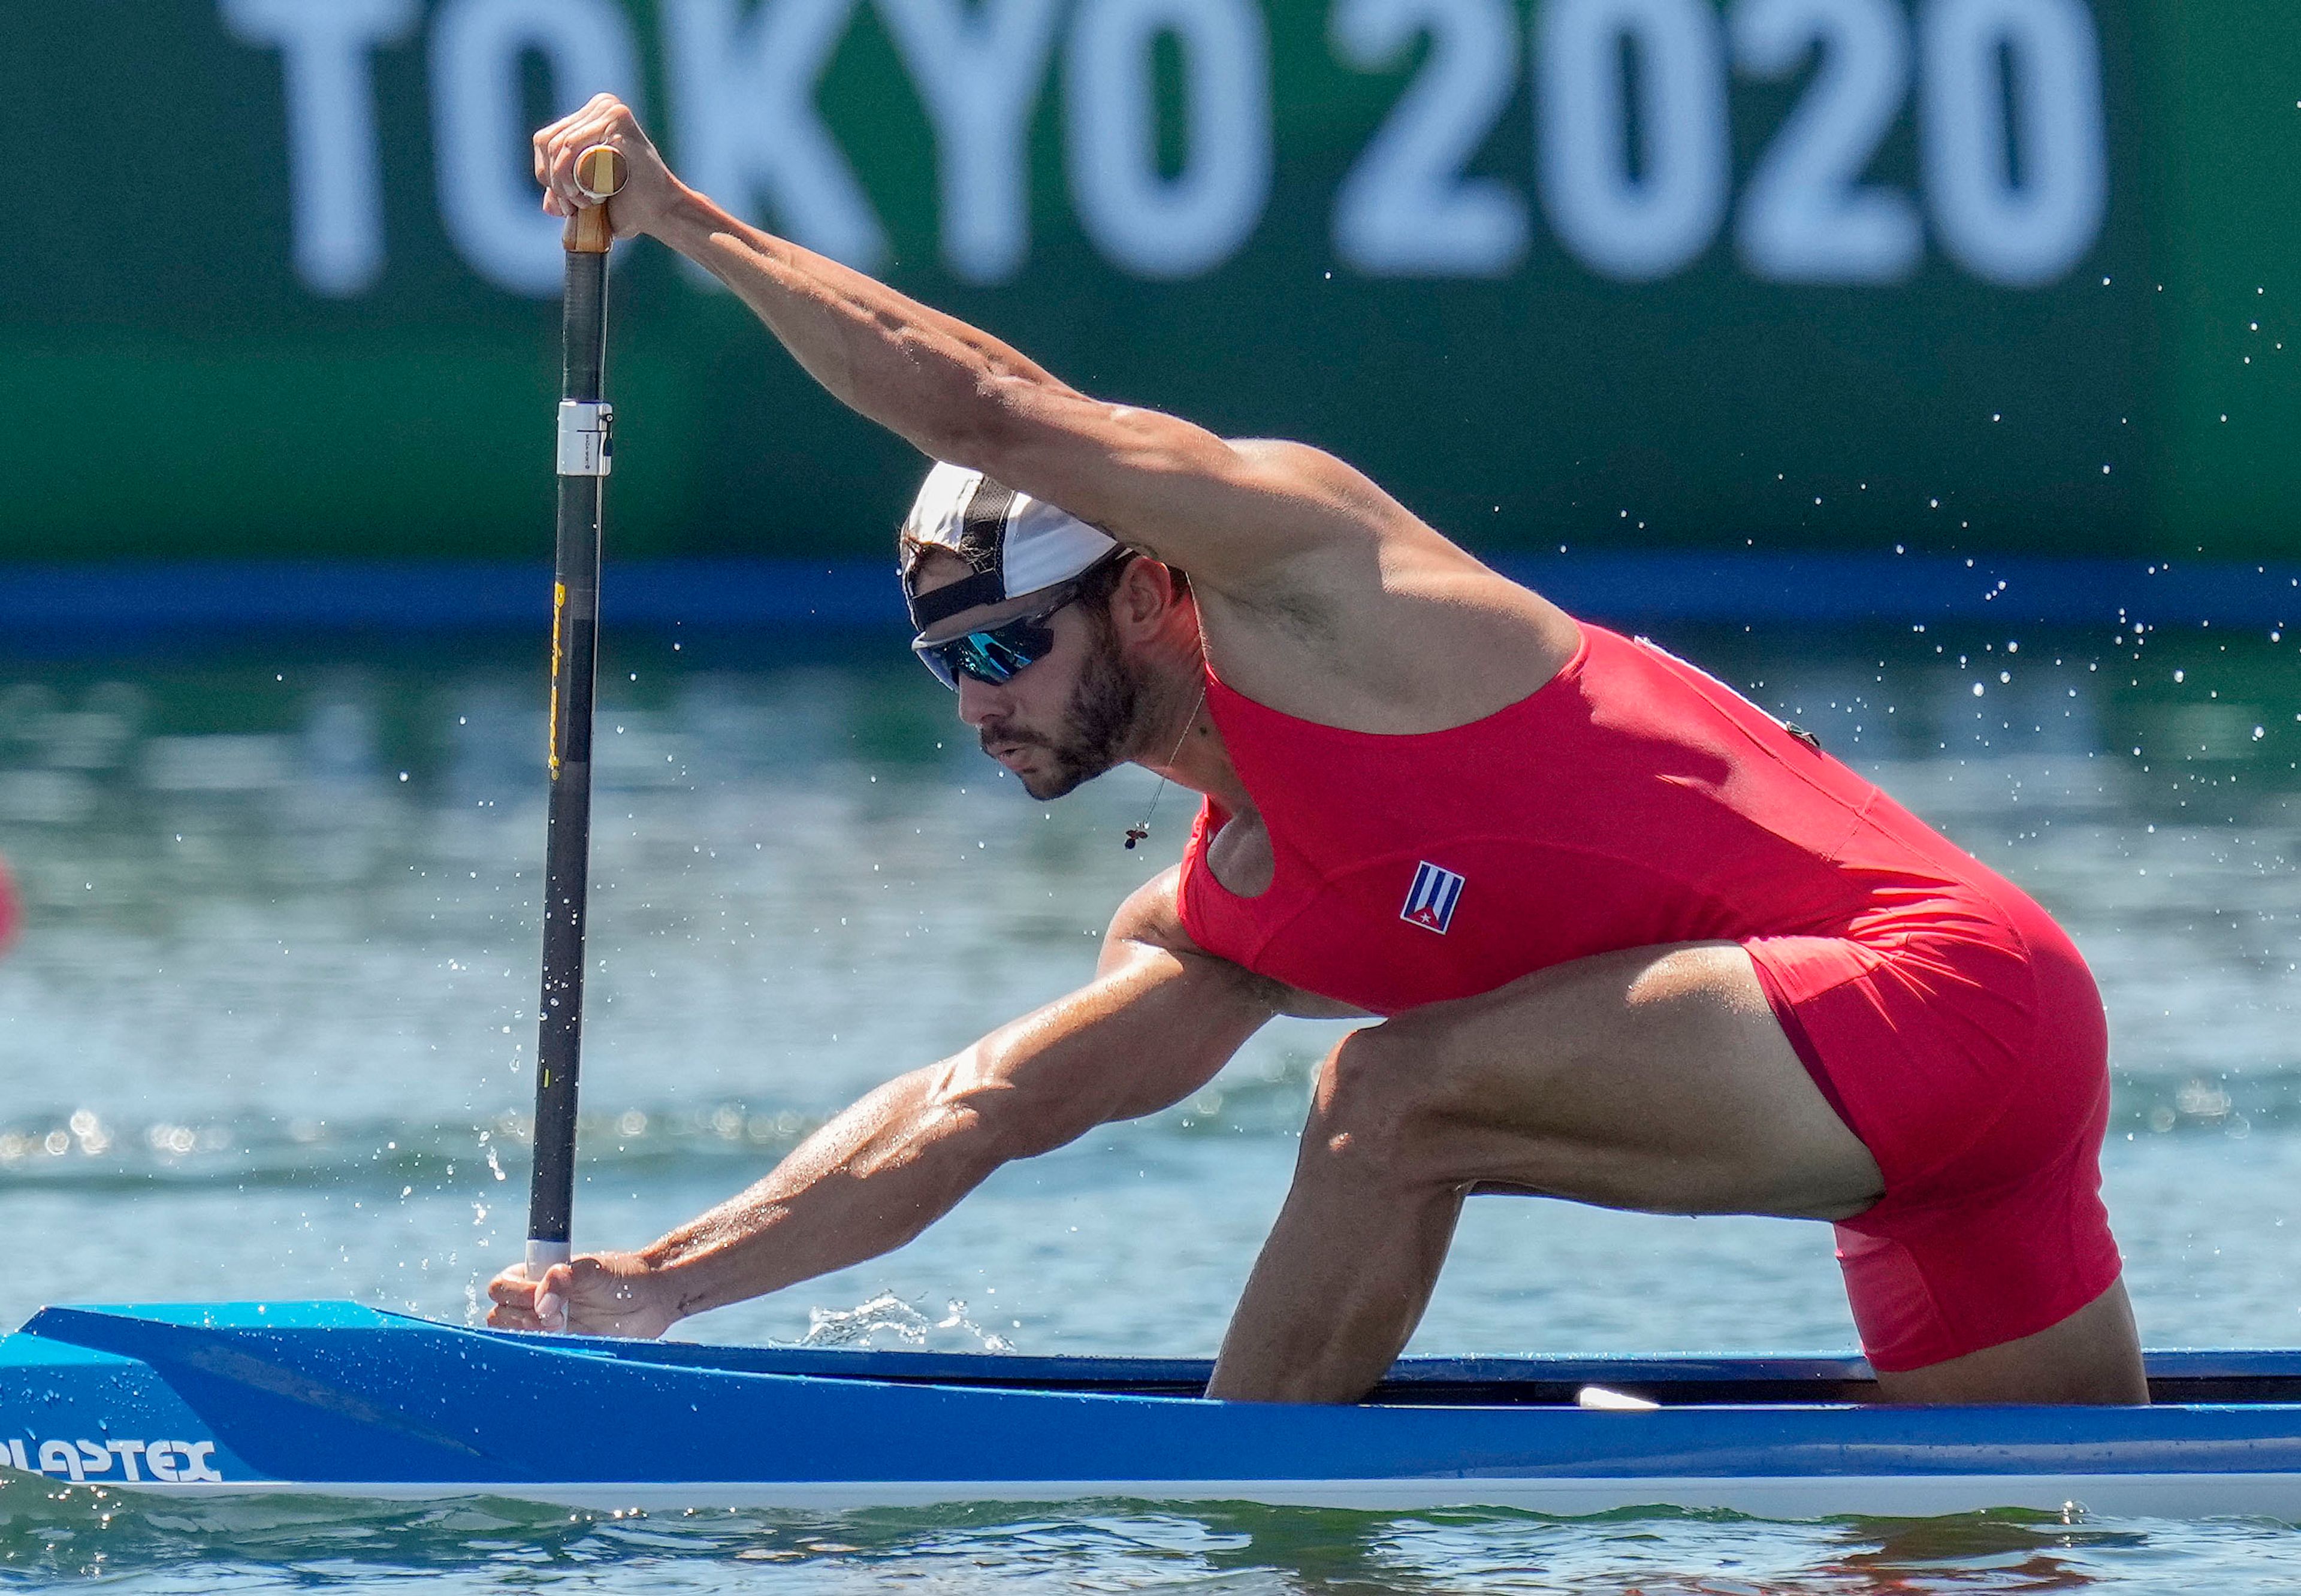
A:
1141	828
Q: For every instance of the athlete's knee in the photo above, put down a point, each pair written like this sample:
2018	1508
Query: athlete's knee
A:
1370	1111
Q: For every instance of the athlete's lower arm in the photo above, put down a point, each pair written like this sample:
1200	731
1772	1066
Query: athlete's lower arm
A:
879	1173
912	369
1144	1034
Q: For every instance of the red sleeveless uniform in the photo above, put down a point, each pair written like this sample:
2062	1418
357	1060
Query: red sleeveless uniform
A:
1634	801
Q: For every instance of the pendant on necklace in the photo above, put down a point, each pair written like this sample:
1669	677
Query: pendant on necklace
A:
1141	829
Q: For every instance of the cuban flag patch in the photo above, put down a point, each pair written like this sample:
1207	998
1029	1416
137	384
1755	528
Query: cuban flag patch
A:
1430	901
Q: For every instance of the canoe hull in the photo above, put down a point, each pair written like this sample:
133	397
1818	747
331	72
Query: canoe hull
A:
343	1400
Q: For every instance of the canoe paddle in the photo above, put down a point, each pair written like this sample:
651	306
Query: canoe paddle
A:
585	453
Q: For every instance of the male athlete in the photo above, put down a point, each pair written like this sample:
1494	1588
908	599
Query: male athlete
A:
1631	940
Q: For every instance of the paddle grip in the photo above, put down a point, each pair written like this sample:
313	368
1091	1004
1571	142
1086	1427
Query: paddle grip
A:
600	171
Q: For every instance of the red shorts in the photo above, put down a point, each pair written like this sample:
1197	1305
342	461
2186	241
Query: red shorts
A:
1963	1042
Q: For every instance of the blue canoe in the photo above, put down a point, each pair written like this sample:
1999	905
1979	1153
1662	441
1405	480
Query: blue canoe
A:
336	1399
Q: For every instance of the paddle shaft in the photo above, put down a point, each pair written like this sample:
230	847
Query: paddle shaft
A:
585	453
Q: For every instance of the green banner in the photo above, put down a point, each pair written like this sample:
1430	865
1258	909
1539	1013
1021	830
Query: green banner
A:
1956	274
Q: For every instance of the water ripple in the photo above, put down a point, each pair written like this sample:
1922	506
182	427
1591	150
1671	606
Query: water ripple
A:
50	1532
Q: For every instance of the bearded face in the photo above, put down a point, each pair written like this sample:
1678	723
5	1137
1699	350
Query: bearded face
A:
1095	729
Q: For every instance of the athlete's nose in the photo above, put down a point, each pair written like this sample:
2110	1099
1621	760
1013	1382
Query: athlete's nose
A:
979	702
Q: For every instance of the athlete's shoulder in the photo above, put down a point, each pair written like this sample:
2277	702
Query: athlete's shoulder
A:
1151	915
1287	467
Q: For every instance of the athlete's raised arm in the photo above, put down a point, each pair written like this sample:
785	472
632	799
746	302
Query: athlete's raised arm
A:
1230	514
1155	1025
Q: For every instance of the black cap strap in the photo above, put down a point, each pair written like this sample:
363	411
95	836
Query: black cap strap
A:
982	525
981	544
984	587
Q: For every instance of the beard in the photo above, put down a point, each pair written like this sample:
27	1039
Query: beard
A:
1098	723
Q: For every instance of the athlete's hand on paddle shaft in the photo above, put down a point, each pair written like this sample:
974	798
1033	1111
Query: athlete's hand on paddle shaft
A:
649	189
600	1293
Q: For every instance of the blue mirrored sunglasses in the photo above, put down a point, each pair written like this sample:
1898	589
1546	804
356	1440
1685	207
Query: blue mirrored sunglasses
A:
997	653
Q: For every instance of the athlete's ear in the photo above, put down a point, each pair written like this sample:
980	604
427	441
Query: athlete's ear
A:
1144	601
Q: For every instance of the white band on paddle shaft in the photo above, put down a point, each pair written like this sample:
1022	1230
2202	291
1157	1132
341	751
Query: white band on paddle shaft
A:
549	1306
587	440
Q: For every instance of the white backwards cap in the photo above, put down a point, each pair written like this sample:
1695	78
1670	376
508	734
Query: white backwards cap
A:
1013	544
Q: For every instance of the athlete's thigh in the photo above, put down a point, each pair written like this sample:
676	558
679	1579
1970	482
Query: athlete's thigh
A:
1655	1078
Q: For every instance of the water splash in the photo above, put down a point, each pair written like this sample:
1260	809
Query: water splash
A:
887	1318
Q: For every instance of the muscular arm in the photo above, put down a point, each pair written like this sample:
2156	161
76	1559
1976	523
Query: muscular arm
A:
1227	513
1157	1022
